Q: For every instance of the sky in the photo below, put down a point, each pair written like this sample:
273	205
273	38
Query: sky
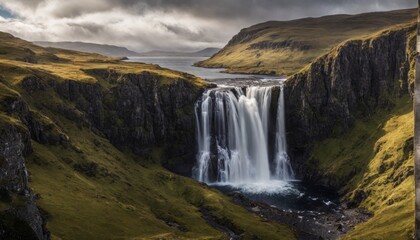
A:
181	25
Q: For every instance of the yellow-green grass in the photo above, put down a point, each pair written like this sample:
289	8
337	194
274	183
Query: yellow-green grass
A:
376	158
129	198
90	189
67	64
321	34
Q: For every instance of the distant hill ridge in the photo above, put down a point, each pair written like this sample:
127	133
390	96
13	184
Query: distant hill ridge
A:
103	49
284	47
207	52
118	51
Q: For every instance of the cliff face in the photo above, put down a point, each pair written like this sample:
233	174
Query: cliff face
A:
353	81
349	118
139	112
142	109
145	113
21	219
154	114
93	133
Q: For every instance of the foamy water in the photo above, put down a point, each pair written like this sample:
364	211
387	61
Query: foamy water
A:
266	187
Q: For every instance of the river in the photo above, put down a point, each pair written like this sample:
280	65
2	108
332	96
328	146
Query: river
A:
185	64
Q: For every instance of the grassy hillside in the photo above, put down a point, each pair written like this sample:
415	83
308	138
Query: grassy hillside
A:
19	58
88	188
103	49
284	47
375	165
350	119
98	192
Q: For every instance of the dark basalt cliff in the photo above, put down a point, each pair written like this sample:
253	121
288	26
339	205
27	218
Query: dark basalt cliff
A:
144	113
139	112
22	219
85	137
353	81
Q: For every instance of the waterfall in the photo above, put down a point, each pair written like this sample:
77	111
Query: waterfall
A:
283	169
233	136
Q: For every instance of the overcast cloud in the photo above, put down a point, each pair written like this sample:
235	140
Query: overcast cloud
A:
163	24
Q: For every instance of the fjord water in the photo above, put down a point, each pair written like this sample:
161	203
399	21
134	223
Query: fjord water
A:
185	64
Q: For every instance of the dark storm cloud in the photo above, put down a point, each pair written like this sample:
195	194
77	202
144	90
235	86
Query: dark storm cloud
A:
164	24
87	28
258	9
227	9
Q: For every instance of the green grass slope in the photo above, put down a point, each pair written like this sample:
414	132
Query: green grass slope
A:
91	190
284	47
374	163
98	192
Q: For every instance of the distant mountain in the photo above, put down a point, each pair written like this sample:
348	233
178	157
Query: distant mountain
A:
284	47
103	49
207	52
117	51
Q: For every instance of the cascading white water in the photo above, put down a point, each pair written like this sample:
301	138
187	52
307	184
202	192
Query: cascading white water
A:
233	136
283	169
203	138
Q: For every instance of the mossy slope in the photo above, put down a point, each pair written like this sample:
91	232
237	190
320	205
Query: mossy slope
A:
352	119
88	188
118	196
374	165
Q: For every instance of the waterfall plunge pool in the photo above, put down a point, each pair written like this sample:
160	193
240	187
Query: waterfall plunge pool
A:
242	147
292	196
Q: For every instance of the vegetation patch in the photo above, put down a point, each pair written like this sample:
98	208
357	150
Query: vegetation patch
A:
89	188
374	165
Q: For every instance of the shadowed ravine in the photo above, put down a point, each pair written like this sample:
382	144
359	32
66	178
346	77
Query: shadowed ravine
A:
349	127
241	151
93	147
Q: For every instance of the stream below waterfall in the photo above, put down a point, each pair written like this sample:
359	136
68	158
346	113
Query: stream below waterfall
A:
242	146
242	149
293	196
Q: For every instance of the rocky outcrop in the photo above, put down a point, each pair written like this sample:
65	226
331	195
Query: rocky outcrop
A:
149	114
143	112
15	141
21	218
354	80
154	114
41	128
